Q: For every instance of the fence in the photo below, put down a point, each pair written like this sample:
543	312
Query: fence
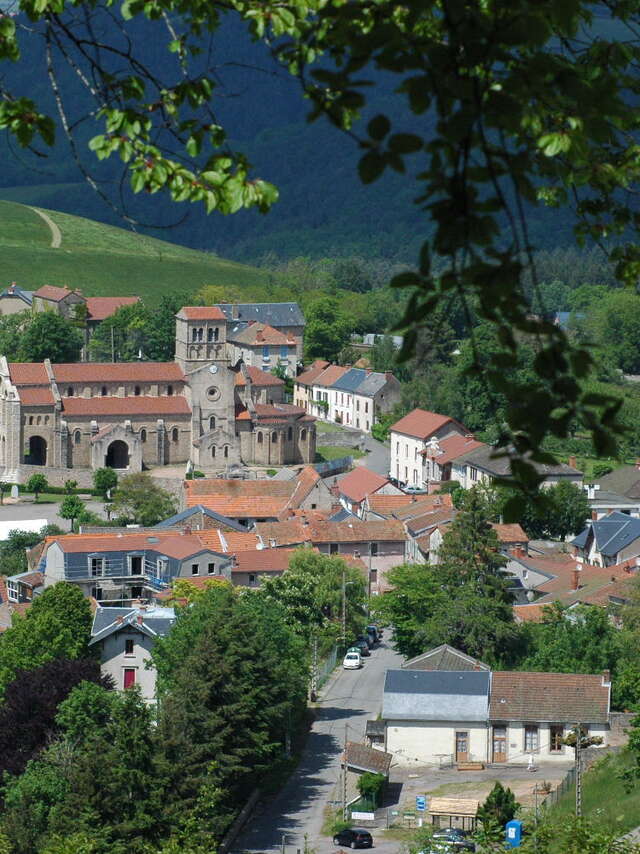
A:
565	784
326	667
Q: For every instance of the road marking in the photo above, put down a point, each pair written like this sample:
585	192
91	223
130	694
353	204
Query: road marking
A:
56	234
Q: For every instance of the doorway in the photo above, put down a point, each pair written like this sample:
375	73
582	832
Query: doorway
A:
117	455
37	451
499	749
462	746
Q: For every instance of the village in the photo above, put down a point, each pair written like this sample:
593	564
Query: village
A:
234	453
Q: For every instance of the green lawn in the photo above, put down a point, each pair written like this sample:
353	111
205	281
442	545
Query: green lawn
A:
604	799
324	453
107	261
327	427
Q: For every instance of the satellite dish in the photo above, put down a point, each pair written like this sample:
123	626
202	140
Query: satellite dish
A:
213	369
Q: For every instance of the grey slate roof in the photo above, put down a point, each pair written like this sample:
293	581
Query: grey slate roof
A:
436	695
273	313
501	466
350	380
623	481
444	657
185	515
606	498
25	296
156	621
343	515
372	384
612	533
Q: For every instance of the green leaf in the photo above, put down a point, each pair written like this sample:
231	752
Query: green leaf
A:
379	127
371	166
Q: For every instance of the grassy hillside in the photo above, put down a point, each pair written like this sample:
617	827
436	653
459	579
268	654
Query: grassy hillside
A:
105	261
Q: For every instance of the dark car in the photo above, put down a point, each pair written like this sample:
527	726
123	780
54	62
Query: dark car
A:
363	646
367	639
355	837
374	631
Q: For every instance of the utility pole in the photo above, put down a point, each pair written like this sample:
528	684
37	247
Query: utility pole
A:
578	770
344	776
113	347
344	608
314	669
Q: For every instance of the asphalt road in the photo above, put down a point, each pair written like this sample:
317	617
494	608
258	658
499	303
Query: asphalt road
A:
351	698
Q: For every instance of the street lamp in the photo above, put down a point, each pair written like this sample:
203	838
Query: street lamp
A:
344	605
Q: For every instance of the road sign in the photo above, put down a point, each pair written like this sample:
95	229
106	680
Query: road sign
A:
421	803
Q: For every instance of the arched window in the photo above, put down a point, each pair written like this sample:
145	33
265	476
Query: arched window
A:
259	438
103	391
136	391
174	434
213	451
226	451
200	333
46	419
212	422
77	437
303	435
290	433
274	438
169	390
31	419
70	391
143	435
210	334
38	419
216	334
194	334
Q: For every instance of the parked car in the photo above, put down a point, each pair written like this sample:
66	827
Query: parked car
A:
363	646
414	490
367	639
352	661
374	632
458	840
355	837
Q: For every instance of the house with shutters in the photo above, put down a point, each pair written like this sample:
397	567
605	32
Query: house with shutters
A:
448	718
125	638
359	484
411	437
264	347
611	540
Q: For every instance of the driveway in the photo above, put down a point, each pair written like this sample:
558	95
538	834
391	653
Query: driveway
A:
377	458
348	700
47	512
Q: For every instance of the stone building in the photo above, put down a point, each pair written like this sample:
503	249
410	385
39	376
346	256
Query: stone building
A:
203	408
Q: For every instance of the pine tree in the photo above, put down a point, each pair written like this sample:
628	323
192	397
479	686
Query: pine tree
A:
499	807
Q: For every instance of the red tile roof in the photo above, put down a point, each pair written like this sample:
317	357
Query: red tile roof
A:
421	424
264	560
361	482
423	504
315	368
274	413
548	697
99	308
51	292
297	531
511	533
240	498
256	334
529	613
28	373
99	372
34	396
257	377
201	312
330	375
386	505
452	448
175	545
175	404
229	541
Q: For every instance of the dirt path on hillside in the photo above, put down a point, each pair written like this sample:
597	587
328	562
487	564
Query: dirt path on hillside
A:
56	234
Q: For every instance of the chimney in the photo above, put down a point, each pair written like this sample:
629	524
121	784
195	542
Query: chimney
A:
235	314
12	287
139	619
476	667
576	577
606	677
186	530
594	515
518	551
572	462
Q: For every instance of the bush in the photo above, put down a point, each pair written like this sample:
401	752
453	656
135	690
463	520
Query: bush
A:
600	469
370	786
199	474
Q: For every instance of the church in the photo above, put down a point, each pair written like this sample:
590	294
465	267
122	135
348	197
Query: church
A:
205	408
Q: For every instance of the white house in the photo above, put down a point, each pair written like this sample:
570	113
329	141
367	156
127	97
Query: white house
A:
125	638
445	718
410	437
610	540
484	464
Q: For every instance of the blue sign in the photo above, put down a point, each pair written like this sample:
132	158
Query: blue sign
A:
513	833
421	803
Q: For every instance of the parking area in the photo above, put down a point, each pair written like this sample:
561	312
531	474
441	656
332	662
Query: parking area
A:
26	508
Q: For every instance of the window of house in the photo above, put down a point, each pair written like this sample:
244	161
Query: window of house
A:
96	566
162	566
136	592
38	419
398	448
216	334
303	435
12	591
212	422
194	334
366	406
373	549
211	568
70	391
259	438
274	438
252	578
128	646
135	564
531	739
284	351
77	437
406	474
201	333
143	435
357	406
195	568
31	419
213	451
210	334
265	351
406	450
473	473
333	548
128	677
226	451
170	390
103	391
290	433
556	734
96	592
136	391
174	434
357	422
368	425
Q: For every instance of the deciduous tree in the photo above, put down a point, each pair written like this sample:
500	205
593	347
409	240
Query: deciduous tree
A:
138	498
47	335
37	483
71	508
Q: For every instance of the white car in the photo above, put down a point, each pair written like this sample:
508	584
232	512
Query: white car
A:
352	661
